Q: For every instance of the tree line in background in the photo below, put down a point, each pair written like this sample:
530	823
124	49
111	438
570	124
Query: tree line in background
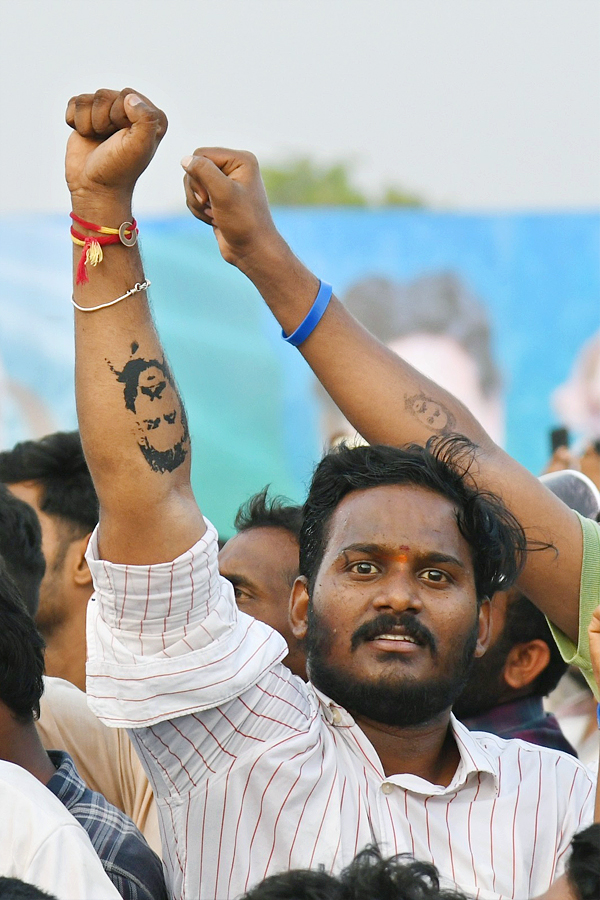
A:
303	182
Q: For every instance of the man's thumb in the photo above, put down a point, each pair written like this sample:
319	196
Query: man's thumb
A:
144	116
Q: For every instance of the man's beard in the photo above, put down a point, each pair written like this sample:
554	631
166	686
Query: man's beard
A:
397	698
486	682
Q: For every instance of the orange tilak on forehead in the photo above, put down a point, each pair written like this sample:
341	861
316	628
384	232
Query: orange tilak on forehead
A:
400	557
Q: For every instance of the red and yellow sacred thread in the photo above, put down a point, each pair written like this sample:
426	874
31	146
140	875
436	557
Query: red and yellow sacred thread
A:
92	252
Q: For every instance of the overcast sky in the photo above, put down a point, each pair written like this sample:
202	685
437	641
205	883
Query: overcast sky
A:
474	104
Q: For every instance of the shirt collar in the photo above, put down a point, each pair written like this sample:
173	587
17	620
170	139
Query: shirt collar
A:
66	783
474	758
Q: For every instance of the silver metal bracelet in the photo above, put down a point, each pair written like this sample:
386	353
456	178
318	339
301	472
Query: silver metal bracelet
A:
143	286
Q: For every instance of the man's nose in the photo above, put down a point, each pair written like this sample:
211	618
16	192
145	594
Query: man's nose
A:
398	592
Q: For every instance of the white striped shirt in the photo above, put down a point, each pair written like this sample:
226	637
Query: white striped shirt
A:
255	771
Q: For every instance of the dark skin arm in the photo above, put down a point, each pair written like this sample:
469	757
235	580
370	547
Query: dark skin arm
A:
383	397
131	417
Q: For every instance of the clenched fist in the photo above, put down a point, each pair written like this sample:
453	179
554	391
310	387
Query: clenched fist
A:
224	189
115	135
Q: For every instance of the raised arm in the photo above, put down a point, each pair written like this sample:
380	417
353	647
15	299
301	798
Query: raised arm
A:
384	398
132	420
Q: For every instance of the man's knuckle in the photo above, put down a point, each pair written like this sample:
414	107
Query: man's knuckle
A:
103	94
250	158
163	123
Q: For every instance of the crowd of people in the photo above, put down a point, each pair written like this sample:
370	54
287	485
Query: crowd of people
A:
343	700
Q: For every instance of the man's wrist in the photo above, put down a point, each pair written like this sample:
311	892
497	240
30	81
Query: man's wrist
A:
263	257
106	209
278	274
286	285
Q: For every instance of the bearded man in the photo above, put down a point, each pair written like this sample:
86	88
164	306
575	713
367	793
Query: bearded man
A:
254	770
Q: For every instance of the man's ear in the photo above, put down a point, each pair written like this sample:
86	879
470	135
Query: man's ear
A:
80	571
485	627
299	601
525	662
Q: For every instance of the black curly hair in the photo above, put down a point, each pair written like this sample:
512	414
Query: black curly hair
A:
21	653
262	511
498	543
368	877
58	464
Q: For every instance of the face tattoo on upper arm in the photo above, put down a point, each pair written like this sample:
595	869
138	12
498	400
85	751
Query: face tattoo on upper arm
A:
151	395
430	413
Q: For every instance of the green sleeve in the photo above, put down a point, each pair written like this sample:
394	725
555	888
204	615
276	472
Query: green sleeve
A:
589	599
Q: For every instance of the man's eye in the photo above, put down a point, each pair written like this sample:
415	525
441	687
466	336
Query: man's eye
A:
241	596
364	568
436	576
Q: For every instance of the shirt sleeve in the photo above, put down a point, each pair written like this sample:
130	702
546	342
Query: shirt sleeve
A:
589	598
167	640
67	865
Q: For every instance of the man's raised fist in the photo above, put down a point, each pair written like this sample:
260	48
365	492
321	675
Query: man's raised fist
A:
115	135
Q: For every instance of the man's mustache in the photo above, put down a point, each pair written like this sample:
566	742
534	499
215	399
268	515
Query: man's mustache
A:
387	622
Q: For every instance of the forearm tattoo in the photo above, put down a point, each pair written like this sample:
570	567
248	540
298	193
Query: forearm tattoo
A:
429	412
150	393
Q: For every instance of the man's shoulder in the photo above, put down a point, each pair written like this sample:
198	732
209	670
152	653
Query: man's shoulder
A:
526	755
120	845
89	807
25	800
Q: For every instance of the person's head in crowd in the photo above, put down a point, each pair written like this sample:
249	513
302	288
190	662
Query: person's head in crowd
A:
21	547
21	683
368	877
583	865
575	489
581	880
261	562
590	461
21	654
52	476
523	659
437	324
577	400
386	534
15	889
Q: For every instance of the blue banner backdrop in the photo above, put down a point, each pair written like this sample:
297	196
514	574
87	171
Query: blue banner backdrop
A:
252	404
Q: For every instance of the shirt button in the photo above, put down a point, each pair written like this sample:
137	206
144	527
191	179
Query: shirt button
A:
387	788
336	715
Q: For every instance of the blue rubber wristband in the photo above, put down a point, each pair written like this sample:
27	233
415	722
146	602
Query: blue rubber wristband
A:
313	317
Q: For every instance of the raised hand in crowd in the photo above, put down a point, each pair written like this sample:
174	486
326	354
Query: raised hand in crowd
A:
115	135
383	397
131	418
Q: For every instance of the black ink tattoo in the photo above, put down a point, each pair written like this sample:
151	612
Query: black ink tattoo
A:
429	412
154	391
164	460
148	389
